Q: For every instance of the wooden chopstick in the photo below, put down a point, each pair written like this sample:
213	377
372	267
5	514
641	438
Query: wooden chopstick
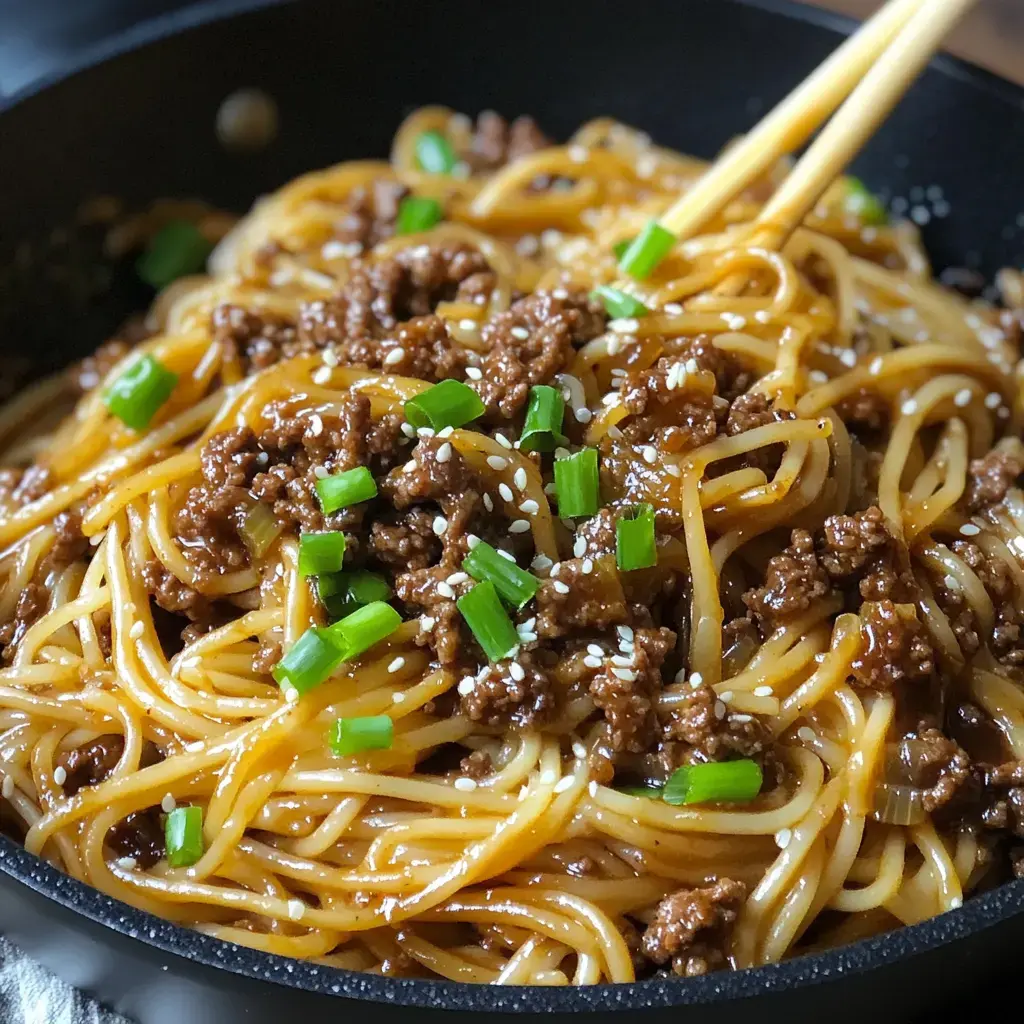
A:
858	118
790	123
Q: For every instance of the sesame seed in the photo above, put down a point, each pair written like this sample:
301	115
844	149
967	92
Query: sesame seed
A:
673	308
726	695
555	569
519	526
579	548
956	902
519	479
398	697
560	587
950	582
444	453
625	674
296	910
592	787
464	785
962	398
496	462
740	718
322	375
624	632
583	414
548	777
595	650
541	562
520	332
970	530
127	863
488	503
137	630
262	459
563	784
516	671
424	432
719	710
806	734
60	775
457	577
396	355
397	664
468	325
408	429
763	316
505	491
168	803
440	524
427	622
321	472
316	425
621	660
614	344
782	837
650	454
503	441
610	400
875	366
680	676
506	554
474	373
197	745
530	507
847	357
466	685
290	694
578	749
909	407
7	787
329	356
587	567
672	469
446	591
763	691
624	326
993	399
472	540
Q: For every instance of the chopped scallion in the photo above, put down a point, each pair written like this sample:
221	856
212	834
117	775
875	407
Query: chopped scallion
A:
343	592
576	484
363	628
449	403
355	735
493	629
344	489
620	248
309	661
177	249
619	304
514	585
635	545
259	529
183	836
733	781
648	792
434	153
647	250
417	213
862	203
321	552
542	431
138	393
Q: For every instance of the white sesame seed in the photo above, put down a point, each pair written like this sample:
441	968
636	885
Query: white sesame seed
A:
763	316
672	308
321	472
488	503
456	578
474	373
410	466
440	524
262	459
468	325
322	375
472	540
519	526
740	718
621	660
521	333
672	469
427	623
516	671
598	652
397	664
60	775
127	863
503	441
763	691
807	734
505	491
962	398
7	787
316	425
424	432
466	685
197	745
446	591
444	453
847	357
329	356
168	803
875	366
506	555
614	345
408	429
624	326
970	530
398	697
650	454
578	749
137	629
583	414
530	507
696	679
520	479
290	694
396	355
555	569
563	784
560	587
587	567
548	777
496	462
541	562
625	632
610	400
950	582
579	548
993	399
782	837
592	787
625	674
909	407
719	710
296	910
726	695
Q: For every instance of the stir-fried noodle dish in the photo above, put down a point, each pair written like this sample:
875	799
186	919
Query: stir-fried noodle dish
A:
464	577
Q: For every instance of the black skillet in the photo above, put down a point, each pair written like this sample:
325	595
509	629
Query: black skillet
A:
136	120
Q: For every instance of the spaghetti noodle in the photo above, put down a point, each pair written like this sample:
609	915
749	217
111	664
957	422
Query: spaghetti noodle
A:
798	558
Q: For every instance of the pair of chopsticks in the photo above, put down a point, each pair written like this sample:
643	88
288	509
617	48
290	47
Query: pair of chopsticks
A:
867	76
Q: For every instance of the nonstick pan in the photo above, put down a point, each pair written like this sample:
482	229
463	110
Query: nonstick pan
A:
136	120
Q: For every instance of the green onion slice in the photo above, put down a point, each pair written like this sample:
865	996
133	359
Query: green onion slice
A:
355	735
259	529
647	250
311	660
732	781
863	204
514	585
363	628
493	629
434	153
635	546
620	248
542	431
138	393
619	304
343	592
576	484
177	249
321	552
447	404
183	836
417	213
343	489
648	792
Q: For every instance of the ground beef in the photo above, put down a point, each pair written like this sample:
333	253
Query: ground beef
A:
92	370
266	657
476	765
731	378
370	213
740	641
495	142
989	478
138	836
407	542
499	699
594	600
599	531
851	546
91	764
936	764
865	413
895	647
794	581
1007	640
691	928
69	544
1003	797
32	603
441	624
172	594
672	418
530	343
748	412
21	486
379	296
256	339
424	478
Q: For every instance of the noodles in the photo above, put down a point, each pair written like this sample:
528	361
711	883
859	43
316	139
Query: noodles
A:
827	441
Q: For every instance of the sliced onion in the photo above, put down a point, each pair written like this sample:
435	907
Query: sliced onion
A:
899	805
259	529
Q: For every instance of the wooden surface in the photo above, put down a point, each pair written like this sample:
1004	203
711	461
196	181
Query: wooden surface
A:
991	35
